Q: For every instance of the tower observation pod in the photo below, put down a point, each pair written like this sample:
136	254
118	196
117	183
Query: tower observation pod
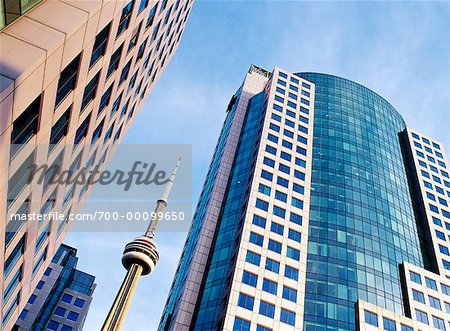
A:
140	257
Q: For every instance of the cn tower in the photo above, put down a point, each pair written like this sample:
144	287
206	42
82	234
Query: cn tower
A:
139	258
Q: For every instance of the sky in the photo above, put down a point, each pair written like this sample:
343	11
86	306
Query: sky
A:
401	50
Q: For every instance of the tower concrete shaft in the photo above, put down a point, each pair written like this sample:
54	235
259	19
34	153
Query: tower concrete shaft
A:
139	258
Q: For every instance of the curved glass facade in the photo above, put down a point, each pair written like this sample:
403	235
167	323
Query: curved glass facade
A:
362	222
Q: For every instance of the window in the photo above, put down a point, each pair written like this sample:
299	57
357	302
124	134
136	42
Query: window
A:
269	286
73	316
264	189
66	328
297	219
298	188
259	221
151	16
101	41
134	37
267	309
40	285
415	277
435	302
67	80
67	298
272	265
90	91
406	328
116	105
23	314
125	18
418	296
262	328
282	182
59	311
388	324
277	228
438	323
274	246
143	5
14	257
241	325
256	239
297	203
52	325
140	53
249	279
59	129
155	31
370	318
278	211
48	272
82	130
291	273
280	196
421	316
287	317
294	235
269	162
246	301
125	71
97	132
253	258
104	101
26	125
289	294
293	253
114	62
262	205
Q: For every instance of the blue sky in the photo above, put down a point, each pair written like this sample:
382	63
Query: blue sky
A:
401	50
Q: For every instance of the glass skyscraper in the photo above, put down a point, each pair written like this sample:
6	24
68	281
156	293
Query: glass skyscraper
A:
321	211
62	298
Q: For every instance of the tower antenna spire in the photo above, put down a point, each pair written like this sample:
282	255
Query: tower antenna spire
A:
139	258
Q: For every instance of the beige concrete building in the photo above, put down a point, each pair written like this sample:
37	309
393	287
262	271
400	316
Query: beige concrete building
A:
72	74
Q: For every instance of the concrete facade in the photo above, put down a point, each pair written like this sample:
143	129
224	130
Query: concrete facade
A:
72	73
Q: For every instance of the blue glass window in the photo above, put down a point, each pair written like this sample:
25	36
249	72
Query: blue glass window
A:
267	309
291	272
241	325
249	278
278	211
282	182
421	316
289	294
370	318
274	246
67	298
287	317
266	175
297	219
418	296
264	189
259	221
262	204
431	283
246	301
253	258
294	235
293	253
272	265
269	286
415	277
388	324
256	239
280	196
277	228
59	311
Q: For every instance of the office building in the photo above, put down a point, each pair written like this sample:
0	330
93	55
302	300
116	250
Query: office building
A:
72	74
321	211
62	297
